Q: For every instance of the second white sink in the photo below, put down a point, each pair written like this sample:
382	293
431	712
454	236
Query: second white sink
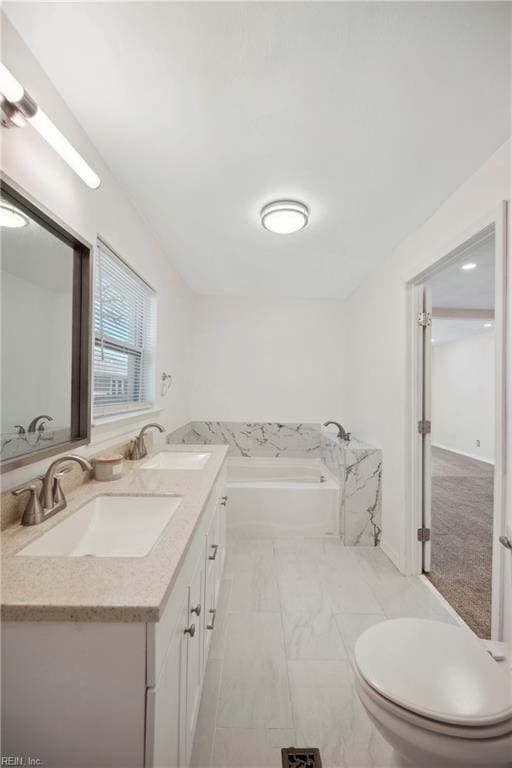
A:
177	460
108	526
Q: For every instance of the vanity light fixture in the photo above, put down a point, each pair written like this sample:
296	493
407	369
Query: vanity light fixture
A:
11	217
467	267
17	108
284	216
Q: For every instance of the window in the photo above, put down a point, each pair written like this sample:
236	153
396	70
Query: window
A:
124	337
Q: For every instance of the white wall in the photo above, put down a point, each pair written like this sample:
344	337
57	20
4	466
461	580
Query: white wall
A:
380	327
31	163
268	360
463	396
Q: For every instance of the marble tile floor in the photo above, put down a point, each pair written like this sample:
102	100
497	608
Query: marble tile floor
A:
280	666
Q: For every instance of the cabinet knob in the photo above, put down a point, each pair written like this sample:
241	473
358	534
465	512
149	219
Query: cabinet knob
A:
191	630
215	548
196	610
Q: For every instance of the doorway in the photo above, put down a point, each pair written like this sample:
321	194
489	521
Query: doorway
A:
460	430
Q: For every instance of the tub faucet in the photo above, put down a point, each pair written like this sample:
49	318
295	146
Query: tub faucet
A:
137	449
341	432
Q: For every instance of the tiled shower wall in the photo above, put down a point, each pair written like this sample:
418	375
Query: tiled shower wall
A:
357	466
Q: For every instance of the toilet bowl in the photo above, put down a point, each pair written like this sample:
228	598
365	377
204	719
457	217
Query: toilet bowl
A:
435	694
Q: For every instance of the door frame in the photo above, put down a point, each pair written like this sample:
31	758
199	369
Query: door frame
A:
496	221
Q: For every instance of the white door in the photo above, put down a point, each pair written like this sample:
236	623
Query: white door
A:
425	422
501	628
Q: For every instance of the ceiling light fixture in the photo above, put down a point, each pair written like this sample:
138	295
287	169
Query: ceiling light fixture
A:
487	325
12	218
284	216
18	107
468	266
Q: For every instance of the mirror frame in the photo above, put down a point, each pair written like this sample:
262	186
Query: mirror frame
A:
80	423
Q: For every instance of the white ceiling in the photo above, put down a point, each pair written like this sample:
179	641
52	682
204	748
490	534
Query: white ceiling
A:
371	113
455	288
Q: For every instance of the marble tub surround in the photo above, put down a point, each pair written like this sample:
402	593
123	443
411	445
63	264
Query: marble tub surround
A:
359	469
256	438
356	465
116	589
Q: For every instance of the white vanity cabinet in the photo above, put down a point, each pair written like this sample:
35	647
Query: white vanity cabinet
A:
117	695
166	735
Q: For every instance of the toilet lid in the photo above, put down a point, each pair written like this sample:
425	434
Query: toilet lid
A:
435	669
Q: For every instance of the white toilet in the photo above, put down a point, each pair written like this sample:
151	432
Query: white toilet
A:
435	694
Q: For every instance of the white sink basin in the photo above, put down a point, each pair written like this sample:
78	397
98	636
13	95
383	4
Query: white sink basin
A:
108	526
177	460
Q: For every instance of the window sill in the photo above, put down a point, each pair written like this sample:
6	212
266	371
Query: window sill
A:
125	417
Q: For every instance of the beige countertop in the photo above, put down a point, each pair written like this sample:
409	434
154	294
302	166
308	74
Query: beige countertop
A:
133	589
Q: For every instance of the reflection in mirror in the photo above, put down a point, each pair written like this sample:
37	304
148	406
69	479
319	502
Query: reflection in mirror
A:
37	314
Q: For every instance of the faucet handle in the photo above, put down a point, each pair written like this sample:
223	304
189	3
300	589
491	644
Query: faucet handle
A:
58	493
33	514
133	450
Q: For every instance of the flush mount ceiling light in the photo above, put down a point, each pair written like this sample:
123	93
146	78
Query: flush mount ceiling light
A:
17	109
12	218
469	266
284	216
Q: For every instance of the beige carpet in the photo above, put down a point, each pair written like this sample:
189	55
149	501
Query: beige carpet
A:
462	507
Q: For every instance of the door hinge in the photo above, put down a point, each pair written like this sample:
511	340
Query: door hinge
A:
424	427
424	319
423	534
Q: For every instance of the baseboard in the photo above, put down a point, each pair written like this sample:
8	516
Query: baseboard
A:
463	453
391	553
446	605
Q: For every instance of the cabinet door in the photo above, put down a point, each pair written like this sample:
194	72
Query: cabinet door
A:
195	653
166	724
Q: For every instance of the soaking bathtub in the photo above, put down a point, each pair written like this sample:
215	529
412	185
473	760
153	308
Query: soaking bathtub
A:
274	498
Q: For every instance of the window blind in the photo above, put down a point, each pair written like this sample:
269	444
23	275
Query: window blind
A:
124	337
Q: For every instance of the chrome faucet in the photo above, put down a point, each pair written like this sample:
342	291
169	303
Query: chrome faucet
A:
137	449
51	499
34	423
341	432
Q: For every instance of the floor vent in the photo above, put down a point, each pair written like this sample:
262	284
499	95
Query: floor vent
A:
304	757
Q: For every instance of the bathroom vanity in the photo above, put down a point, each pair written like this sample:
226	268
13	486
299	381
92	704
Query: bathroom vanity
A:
103	657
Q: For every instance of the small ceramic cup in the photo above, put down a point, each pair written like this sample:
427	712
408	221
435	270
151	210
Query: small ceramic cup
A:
108	467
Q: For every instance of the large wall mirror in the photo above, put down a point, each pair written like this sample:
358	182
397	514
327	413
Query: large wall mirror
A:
45	315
